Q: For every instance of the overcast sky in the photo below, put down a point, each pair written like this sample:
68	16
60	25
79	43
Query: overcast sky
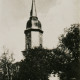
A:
55	15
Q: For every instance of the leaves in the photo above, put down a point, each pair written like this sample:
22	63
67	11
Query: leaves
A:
70	47
6	64
36	64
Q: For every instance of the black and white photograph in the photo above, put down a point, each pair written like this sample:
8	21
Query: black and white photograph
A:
39	39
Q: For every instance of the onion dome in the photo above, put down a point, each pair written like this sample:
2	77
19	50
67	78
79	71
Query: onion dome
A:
33	22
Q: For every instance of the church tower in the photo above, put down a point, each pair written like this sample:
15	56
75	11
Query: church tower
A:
33	32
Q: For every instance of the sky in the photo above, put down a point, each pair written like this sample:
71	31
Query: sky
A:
55	15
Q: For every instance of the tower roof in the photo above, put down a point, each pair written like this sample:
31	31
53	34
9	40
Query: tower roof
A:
33	22
33	9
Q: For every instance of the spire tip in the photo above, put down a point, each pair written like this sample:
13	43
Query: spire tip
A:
33	9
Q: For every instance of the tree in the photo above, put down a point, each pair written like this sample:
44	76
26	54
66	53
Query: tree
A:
70	46
6	64
36	65
39	63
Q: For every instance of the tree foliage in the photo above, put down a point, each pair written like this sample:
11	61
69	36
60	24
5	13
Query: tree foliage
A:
6	64
39	63
70	47
65	59
36	65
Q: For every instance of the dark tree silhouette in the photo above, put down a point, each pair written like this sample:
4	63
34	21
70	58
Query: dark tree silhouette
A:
36	65
39	63
70	47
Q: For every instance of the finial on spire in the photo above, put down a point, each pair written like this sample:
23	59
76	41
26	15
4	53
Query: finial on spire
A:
33	9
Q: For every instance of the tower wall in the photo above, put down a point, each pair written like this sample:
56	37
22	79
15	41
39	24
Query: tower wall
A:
33	38
41	39
27	40
36	39
33	32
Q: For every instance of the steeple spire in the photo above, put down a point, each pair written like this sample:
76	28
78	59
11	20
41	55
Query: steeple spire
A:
33	9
